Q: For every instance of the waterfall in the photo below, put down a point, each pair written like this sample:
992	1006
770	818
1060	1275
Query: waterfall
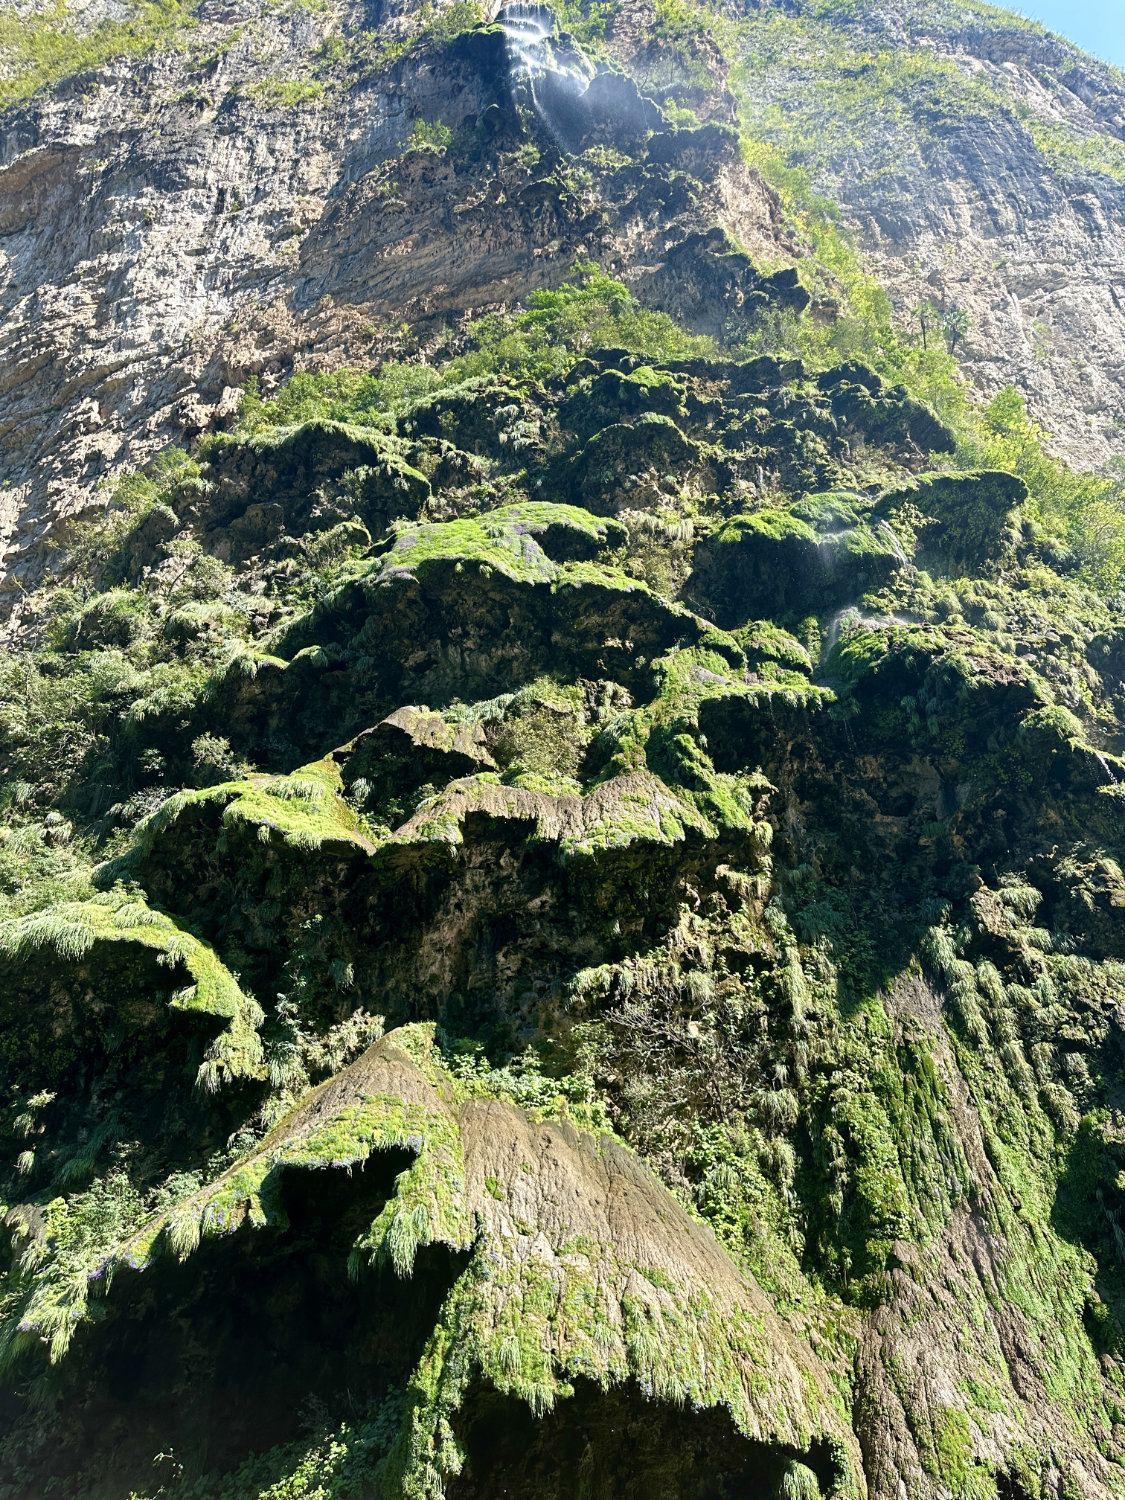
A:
554	80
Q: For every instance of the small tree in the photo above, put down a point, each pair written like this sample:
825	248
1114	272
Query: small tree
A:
954	326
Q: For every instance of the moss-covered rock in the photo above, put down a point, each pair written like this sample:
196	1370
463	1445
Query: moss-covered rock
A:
82	978
792	563
604	475
581	1266
486	879
615	395
467	607
315	476
860	402
969	520
738	854
712	285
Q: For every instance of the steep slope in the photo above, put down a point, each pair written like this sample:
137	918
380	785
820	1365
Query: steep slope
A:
981	162
561	886
280	188
823	923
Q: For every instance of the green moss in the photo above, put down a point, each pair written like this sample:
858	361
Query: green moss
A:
977	514
71	931
813	557
818	913
952	1446
632	809
305	810
533	1327
515	539
529	1323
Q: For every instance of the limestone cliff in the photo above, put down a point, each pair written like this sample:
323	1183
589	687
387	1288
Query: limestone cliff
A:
561	789
981	161
254	196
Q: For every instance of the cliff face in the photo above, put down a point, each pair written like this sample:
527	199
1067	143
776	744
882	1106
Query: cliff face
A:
981	162
231	205
245	201
561	854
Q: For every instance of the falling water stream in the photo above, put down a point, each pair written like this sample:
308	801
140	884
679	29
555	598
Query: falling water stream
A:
1106	767
555	80
855	619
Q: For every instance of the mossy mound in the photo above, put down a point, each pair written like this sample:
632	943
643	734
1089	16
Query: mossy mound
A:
267	849
604	475
706	277
968	520
81	978
472	606
860	401
614	395
615	1282
815	556
317	475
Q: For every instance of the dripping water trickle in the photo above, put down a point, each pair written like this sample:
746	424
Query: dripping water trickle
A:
553	82
1106	767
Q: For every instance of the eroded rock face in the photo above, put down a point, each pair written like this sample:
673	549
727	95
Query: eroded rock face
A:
992	184
560	934
182	226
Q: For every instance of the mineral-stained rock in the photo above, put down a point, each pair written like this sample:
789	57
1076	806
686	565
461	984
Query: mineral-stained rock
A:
562	926
618	1286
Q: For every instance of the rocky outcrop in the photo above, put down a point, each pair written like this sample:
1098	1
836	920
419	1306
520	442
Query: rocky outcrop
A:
561	898
631	1290
981	161
251	200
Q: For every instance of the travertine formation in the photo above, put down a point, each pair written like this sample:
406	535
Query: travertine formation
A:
561	898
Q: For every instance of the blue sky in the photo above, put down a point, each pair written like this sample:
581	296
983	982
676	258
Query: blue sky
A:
1096	25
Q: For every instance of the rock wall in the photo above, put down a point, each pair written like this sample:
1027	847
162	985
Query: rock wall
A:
983	169
176	226
561	887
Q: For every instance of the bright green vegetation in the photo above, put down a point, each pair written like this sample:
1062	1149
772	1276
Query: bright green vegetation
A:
576	888
40	47
821	83
284	93
1066	149
436	137
592	310
359	763
1081	511
586	20
66	934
